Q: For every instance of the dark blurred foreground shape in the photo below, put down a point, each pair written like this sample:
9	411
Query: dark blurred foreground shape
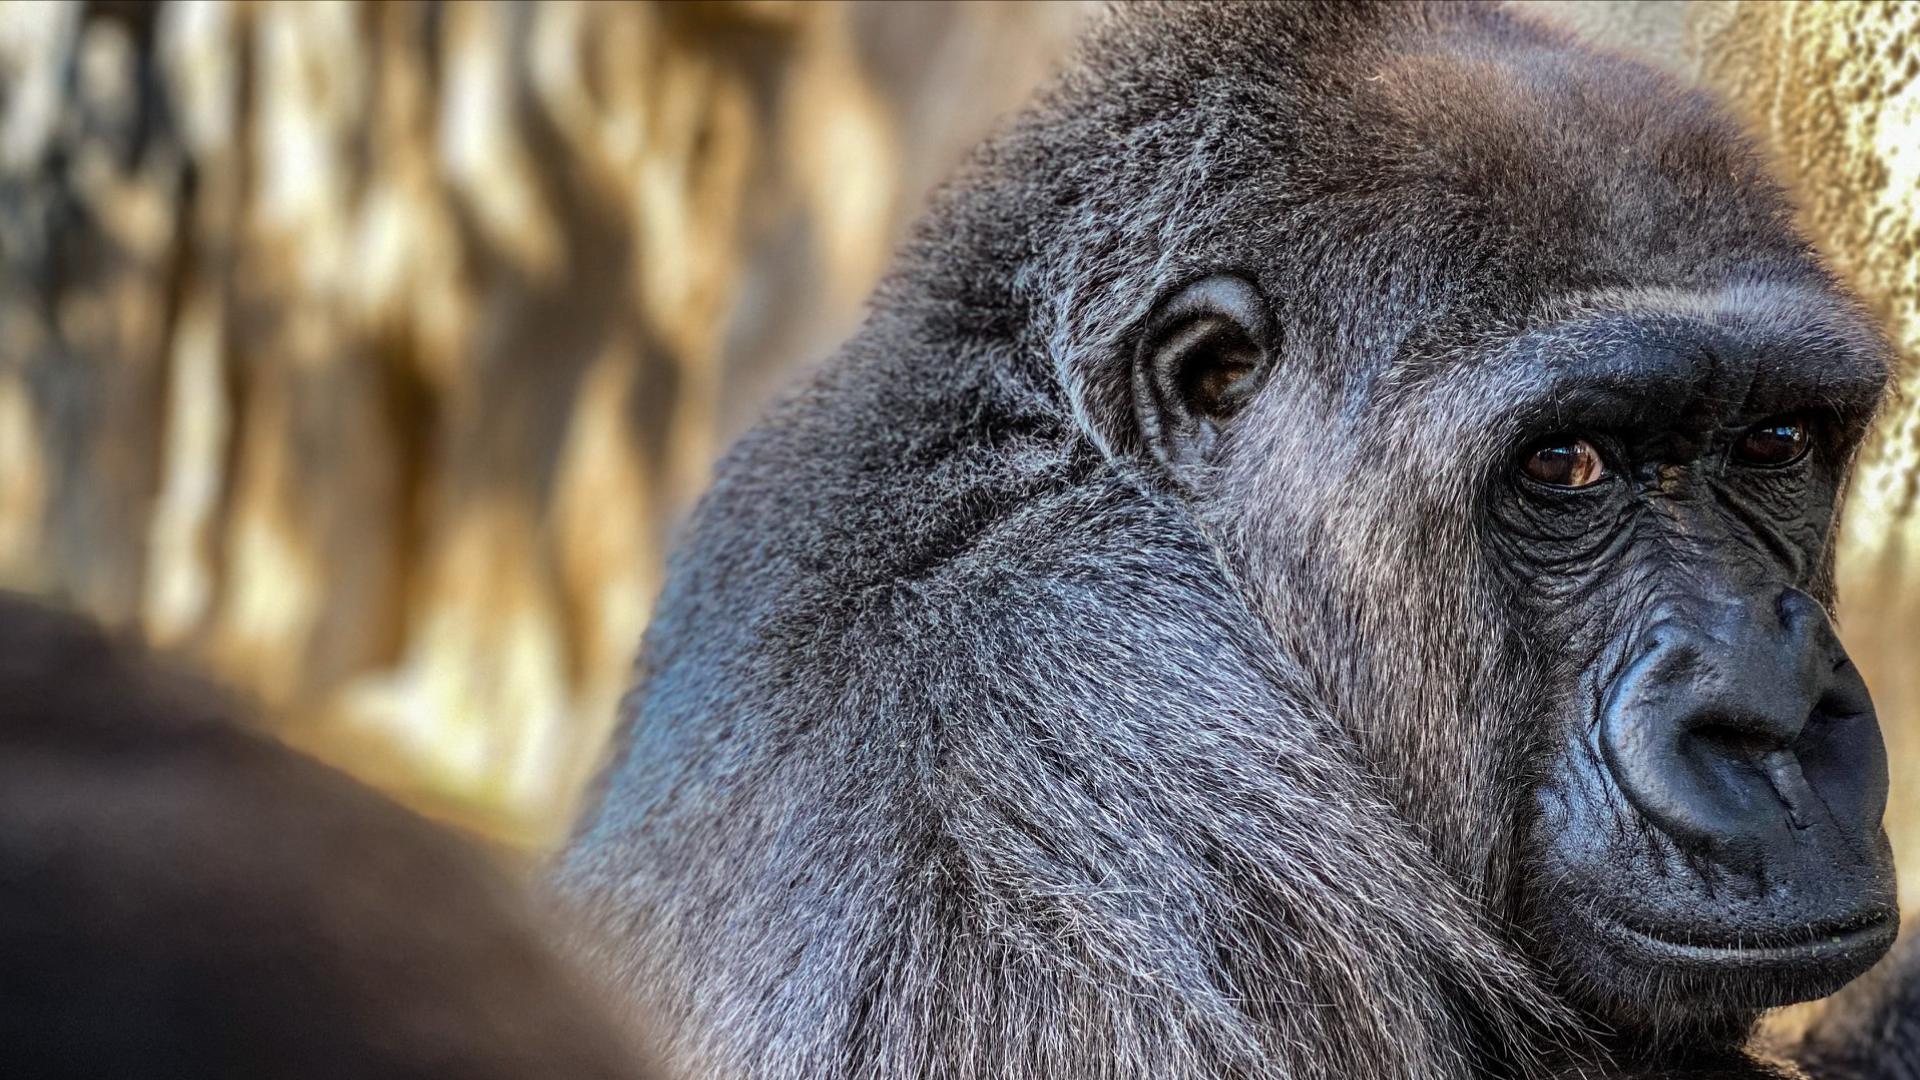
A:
181	898
1871	1029
368	352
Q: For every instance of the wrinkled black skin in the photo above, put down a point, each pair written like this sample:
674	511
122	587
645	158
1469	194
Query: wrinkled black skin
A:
1026	700
181	899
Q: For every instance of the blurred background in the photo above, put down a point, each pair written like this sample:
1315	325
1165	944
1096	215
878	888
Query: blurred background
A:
368	353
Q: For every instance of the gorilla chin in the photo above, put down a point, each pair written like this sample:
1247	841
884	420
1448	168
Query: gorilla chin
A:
1708	965
1712	969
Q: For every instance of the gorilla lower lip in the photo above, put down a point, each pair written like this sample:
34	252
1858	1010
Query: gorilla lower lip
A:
1814	943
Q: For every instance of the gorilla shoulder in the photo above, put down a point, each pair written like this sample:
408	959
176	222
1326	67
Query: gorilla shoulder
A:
182	898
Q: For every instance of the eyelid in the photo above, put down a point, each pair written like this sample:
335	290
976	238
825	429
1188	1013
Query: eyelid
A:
1604	445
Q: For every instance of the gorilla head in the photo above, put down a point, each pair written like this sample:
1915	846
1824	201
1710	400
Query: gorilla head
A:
1521	413
1317	565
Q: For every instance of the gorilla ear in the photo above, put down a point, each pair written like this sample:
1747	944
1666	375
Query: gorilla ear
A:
1208	347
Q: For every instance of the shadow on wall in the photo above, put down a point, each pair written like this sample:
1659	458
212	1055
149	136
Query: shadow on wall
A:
368	353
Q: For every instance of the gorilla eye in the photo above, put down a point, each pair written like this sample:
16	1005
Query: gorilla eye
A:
1773	443
1564	462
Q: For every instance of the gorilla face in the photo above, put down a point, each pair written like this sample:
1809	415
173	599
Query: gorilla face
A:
1595	554
1708	824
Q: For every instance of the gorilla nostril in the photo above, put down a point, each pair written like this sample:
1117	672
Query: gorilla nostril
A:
1737	741
1845	696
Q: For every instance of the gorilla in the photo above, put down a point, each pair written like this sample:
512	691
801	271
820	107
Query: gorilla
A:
183	900
1317	564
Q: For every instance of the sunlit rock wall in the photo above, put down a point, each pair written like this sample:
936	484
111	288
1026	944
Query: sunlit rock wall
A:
368	353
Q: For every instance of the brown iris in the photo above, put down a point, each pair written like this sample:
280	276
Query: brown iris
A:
1565	462
1777	442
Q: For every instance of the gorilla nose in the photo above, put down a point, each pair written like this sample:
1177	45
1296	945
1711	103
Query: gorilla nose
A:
1740	731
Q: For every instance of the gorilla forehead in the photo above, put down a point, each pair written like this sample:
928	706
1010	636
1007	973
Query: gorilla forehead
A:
1392	173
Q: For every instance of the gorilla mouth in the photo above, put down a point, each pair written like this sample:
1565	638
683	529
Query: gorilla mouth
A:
1869	932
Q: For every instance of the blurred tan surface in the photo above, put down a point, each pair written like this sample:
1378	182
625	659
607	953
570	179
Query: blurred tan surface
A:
368	352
